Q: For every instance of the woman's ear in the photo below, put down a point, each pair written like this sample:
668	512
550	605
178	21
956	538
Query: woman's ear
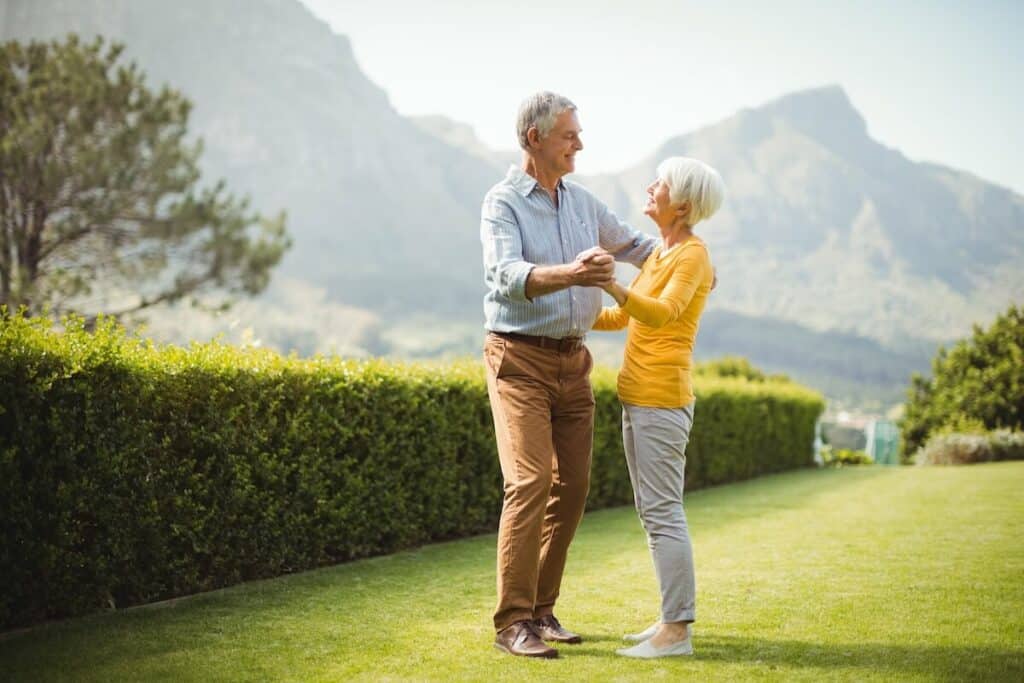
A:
683	211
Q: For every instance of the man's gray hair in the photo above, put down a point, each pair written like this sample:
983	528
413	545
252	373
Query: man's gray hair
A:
540	111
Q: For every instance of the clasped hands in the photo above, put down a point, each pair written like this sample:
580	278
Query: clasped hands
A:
595	267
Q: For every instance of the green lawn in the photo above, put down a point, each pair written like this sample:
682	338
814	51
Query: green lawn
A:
854	574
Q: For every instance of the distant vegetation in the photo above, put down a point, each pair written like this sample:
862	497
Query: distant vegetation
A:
99	206
959	448
975	386
841	457
737	367
859	370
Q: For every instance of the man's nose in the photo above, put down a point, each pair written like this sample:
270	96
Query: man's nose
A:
579	144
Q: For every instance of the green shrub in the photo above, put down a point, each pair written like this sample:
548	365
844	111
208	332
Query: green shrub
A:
1006	444
838	457
734	367
131	473
980	380
955	448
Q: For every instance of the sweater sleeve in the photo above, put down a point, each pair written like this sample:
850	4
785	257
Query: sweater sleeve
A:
687	275
611	319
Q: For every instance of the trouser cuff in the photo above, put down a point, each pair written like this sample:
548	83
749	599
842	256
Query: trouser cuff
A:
687	615
506	621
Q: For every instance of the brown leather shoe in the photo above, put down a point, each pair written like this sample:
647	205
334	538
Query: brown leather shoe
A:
549	629
521	639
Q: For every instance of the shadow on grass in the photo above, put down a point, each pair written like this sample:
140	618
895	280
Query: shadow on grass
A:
942	662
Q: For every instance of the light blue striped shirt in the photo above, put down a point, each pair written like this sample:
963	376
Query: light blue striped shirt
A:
520	228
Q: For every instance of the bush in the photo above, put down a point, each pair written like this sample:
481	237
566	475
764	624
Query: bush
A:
954	448
980	379
735	367
1006	444
131	473
838	457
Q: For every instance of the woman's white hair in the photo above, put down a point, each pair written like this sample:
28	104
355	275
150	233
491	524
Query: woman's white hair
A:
540	110
693	181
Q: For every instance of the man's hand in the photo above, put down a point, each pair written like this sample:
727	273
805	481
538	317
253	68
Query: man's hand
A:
594	267
588	254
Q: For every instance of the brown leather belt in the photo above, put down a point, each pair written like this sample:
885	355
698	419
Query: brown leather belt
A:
564	344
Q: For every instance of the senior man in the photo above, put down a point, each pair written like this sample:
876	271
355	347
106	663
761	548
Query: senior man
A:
548	247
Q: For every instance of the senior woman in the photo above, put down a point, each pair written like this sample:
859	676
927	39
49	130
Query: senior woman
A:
662	308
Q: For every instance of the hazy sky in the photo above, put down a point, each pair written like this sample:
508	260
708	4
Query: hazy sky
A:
940	81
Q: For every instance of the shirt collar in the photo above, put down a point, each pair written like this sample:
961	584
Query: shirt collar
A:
523	182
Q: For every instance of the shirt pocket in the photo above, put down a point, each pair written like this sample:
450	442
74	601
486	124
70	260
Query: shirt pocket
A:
586	231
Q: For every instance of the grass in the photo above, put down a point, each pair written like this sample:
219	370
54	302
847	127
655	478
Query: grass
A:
854	574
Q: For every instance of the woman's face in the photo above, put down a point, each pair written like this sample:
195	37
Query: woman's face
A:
659	207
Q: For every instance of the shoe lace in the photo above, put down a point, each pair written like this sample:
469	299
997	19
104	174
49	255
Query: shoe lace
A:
528	628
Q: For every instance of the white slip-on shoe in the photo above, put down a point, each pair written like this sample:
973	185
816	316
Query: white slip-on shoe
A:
643	635
647	651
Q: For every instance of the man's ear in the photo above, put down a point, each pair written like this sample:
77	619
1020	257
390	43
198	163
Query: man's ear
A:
533	136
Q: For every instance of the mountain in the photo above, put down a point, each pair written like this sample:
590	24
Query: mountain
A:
288	117
840	261
826	227
462	136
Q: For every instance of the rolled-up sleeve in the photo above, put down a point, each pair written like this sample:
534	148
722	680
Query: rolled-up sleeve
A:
620	240
610	319
504	266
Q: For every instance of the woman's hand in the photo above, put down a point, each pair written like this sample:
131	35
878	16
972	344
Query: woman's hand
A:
596	255
617	291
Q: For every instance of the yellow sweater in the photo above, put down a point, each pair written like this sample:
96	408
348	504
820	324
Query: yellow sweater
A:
662	311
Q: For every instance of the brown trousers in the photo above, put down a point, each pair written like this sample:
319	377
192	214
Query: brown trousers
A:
543	410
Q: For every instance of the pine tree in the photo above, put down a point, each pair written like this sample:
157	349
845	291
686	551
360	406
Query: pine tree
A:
100	209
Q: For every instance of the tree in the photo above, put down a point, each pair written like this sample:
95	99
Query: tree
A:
99	206
979	380
738	367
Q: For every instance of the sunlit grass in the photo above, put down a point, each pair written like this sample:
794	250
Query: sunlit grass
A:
855	574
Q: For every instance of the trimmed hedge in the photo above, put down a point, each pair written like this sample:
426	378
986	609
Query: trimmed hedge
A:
131	473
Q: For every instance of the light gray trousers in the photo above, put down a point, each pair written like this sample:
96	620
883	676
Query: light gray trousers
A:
655	443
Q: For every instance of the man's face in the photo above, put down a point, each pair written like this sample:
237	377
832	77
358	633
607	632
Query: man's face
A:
557	151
